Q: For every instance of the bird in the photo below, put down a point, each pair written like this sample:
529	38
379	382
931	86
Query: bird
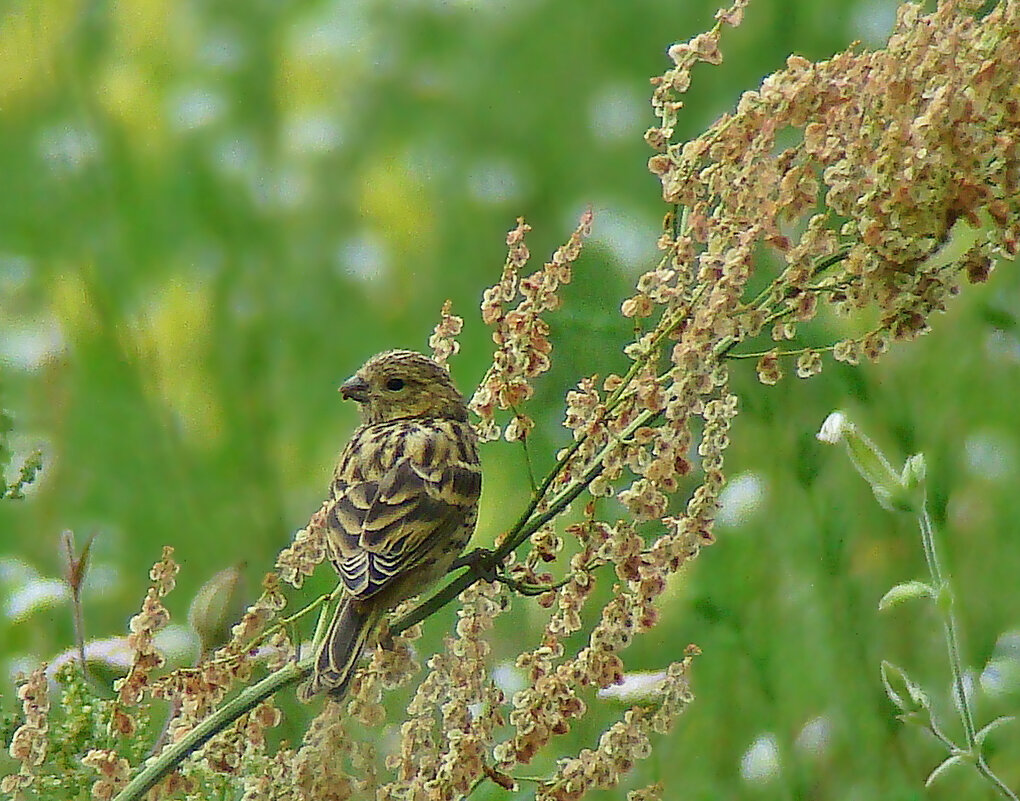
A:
402	504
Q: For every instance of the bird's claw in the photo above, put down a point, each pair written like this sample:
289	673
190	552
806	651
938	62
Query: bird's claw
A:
480	562
384	638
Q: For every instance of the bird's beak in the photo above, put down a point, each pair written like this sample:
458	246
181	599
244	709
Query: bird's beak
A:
354	388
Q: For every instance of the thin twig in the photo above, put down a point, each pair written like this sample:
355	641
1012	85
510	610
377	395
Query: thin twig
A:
944	604
795	352
532	484
75	576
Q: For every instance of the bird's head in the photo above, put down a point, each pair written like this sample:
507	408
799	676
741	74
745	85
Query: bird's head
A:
402	383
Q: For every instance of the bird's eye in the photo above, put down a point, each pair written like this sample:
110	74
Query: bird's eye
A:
395	384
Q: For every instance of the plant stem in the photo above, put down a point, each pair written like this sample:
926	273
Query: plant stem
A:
944	603
210	726
949	626
74	579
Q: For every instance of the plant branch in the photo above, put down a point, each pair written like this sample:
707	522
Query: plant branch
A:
244	702
944	604
795	352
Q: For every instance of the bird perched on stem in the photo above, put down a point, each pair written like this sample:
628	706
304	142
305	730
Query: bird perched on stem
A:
403	501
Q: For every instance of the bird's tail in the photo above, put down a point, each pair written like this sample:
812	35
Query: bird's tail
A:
338	654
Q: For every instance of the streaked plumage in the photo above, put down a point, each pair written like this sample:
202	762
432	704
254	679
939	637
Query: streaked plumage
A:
404	501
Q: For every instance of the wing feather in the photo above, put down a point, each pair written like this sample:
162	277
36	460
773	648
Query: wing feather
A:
400	493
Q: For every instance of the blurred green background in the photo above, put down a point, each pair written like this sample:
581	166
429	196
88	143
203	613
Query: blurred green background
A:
213	213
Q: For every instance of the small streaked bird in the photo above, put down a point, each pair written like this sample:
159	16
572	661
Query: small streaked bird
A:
403	501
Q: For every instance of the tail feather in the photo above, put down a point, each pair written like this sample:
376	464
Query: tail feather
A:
338	654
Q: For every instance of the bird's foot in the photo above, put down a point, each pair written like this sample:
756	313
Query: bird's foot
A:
480	560
383	636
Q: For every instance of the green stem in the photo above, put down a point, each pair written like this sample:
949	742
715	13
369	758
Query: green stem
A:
829	261
944	603
999	784
244	702
532	484
795	352
949	626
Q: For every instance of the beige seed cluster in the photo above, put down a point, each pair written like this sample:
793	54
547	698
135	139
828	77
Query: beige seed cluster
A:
28	745
521	334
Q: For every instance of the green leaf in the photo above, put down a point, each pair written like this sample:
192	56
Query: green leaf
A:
217	605
987	729
944	599
947	763
905	693
914	473
905	591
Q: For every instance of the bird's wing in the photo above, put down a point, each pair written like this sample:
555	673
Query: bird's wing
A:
404	498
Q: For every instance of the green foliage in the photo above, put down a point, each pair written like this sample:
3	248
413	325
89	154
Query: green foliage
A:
27	472
913	703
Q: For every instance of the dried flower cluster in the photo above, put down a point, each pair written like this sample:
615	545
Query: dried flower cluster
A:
146	659
293	564
195	692
443	340
883	152
28	745
623	744
114	772
846	178
453	719
521	335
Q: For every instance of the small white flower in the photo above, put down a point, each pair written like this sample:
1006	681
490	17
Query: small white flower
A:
833	428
